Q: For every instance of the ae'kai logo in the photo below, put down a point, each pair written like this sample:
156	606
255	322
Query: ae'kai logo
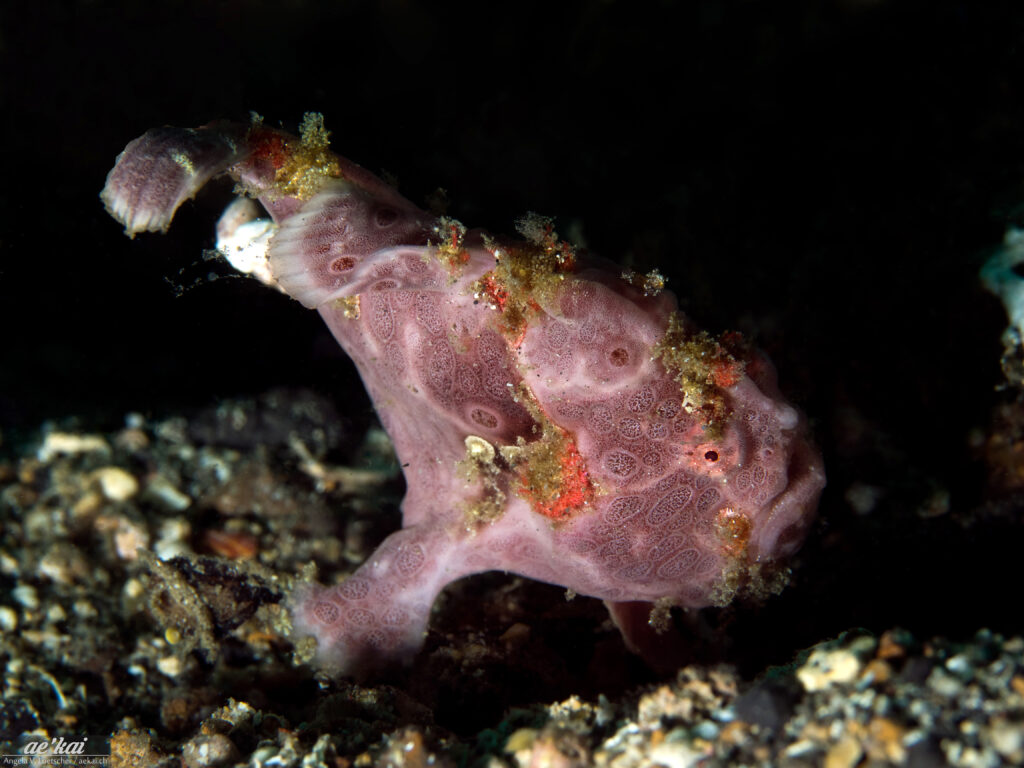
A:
55	746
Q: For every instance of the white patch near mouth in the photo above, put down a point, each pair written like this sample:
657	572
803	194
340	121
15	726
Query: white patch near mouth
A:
243	238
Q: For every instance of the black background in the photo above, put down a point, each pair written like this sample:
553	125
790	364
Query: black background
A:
826	177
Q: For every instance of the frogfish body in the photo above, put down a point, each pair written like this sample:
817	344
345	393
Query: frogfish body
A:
554	418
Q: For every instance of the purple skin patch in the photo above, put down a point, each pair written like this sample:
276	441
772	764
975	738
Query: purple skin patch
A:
553	418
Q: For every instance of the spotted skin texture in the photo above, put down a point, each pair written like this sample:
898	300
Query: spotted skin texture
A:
653	502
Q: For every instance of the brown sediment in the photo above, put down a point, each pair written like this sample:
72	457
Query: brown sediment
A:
451	251
526	276
348	306
704	366
481	464
300	167
553	475
651	284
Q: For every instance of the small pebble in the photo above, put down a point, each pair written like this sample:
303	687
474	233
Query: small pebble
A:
87	506
706	730
65	443
8	618
172	539
26	596
8	565
169	665
56	613
845	753
64	564
133	589
886	740
1007	739
116	483
944	683
209	751
677	754
826	668
84	609
167	494
959	665
129	538
132	439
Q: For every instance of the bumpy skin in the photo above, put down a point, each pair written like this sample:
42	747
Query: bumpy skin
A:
662	506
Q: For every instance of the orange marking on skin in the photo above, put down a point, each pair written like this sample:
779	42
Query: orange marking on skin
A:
725	373
461	254
497	294
734	529
575	488
271	147
519	338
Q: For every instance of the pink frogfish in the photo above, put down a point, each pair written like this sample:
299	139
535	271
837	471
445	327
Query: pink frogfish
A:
555	417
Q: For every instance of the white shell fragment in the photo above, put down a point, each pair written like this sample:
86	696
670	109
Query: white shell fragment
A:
65	443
